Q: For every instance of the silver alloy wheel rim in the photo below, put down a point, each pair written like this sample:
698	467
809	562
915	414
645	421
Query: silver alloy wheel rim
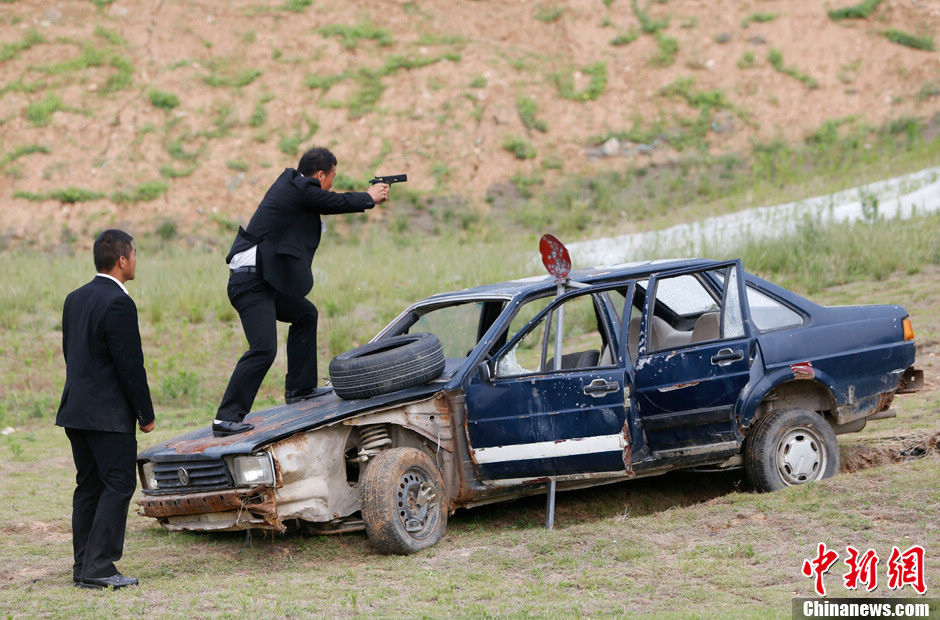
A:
416	502
800	456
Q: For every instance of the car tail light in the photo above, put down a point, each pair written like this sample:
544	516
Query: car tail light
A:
908	328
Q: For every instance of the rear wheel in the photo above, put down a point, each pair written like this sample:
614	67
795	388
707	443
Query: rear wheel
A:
403	504
789	447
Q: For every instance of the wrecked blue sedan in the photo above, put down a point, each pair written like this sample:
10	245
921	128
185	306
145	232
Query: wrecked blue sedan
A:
604	375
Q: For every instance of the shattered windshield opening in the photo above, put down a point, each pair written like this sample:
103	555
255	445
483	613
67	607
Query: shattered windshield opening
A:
458	326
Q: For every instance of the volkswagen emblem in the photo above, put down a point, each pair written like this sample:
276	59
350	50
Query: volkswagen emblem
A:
183	476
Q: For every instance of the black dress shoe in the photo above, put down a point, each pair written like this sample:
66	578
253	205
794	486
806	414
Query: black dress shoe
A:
228	427
116	581
295	396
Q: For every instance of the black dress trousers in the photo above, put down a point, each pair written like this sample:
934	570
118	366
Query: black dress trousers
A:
260	307
106	479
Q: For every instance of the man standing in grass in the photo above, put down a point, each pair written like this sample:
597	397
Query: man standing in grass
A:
105	394
270	265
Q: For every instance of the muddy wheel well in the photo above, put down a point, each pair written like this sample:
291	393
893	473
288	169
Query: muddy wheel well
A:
370	439
798	395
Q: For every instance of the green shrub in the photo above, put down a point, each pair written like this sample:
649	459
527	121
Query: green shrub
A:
910	40
478	82
163	100
519	147
144	192
857	11
527	110
167	229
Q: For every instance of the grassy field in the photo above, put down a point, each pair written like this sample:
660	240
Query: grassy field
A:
682	544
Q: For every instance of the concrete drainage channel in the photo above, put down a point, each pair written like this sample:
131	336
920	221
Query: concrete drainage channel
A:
899	197
867	453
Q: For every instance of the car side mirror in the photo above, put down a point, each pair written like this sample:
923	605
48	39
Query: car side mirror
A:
487	370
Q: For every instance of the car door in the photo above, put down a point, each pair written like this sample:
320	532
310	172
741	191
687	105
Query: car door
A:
527	418
694	358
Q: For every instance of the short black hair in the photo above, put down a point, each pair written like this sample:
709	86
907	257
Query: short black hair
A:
111	245
317	158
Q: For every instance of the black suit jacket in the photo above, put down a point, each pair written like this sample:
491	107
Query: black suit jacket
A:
286	227
105	381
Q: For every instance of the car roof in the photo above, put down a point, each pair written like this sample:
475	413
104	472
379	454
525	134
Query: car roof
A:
593	275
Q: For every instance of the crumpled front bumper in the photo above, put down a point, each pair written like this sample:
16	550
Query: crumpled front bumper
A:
226	510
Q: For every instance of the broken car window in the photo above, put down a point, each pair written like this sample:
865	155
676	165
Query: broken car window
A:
582	342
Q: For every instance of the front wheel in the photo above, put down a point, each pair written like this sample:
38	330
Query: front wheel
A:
403	502
789	447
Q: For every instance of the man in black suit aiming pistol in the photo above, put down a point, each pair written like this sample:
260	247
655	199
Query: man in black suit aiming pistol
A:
270	276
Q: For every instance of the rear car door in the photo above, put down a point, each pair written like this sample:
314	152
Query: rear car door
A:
525	418
695	356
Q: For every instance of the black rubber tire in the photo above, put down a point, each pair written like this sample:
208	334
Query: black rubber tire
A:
387	365
790	447
403	503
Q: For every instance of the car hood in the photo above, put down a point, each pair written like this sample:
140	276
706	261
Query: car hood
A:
280	422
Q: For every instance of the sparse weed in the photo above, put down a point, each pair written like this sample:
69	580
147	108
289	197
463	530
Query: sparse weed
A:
519	147
548	13
527	111
39	113
9	51
350	36
625	38
746	61
144	192
775	58
21	151
595	87
910	40
478	82
648	24
666	49
759	18
857	11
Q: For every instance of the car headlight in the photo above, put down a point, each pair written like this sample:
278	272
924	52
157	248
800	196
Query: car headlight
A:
146	475
253	470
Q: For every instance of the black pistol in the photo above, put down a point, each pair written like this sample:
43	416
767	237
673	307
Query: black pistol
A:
394	178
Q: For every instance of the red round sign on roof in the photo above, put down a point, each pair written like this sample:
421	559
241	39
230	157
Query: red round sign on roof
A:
555	256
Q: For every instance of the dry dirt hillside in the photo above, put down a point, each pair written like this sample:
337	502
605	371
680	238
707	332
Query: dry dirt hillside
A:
131	112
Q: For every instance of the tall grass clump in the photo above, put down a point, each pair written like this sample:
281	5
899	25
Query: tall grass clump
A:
821	254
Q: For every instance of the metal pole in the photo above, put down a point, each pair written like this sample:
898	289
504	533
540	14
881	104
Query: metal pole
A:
550	508
559	325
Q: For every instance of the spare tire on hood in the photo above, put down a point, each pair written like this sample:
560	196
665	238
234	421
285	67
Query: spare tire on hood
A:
387	365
